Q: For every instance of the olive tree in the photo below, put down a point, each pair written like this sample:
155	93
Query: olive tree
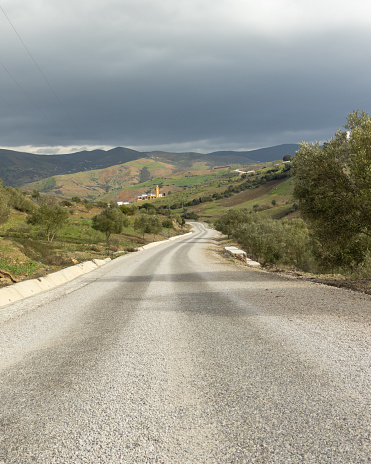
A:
148	224
110	221
333	186
50	218
228	222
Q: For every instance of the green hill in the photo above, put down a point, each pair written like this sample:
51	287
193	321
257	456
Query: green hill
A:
268	191
123	182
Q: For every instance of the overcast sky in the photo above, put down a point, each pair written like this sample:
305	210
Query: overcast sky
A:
191	75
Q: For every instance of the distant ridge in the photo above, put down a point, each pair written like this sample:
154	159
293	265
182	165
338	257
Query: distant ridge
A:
262	154
18	168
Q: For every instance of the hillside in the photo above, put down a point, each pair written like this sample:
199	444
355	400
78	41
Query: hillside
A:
125	182
202	190
18	168
267	191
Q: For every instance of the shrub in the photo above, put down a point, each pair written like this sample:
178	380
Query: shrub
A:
18	201
49	218
109	221
191	215
228	222
4	206
147	224
167	224
65	203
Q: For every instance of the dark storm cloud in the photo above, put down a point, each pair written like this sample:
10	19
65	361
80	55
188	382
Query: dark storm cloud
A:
203	75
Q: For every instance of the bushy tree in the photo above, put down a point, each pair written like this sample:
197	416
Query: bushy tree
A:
262	239
155	225
128	210
228	222
20	201
110	221
146	224
4	205
297	243
192	215
168	224
149	208
267	240
272	241
50	218
333	186
65	203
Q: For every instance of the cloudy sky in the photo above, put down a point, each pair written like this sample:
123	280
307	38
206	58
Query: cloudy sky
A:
200	75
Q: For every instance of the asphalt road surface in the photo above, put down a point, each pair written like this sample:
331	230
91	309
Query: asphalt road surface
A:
176	355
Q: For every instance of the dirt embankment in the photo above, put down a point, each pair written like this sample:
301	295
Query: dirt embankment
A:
335	280
358	285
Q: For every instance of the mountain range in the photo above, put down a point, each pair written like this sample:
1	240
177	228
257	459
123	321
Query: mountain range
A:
19	168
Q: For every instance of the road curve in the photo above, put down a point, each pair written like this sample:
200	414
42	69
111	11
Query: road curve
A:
175	355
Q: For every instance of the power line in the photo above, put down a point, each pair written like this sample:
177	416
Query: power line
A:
39	69
4	101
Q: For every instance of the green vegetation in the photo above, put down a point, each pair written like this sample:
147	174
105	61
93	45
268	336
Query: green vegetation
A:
110	221
144	175
211	199
49	218
38	234
333	186
129	179
16	268
148	224
4	206
231	220
267	240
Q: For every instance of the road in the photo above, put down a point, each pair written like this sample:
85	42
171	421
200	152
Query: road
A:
176	355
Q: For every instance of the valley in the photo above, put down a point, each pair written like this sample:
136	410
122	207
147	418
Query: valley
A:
209	188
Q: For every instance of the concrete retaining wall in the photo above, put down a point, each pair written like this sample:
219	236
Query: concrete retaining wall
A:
240	254
153	244
31	287
21	290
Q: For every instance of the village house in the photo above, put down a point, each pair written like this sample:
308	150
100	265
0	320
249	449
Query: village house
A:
151	196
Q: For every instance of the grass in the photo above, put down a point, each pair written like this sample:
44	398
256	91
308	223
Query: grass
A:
285	189
27	268
261	197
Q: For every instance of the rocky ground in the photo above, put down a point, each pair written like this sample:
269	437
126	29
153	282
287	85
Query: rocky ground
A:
335	280
358	285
